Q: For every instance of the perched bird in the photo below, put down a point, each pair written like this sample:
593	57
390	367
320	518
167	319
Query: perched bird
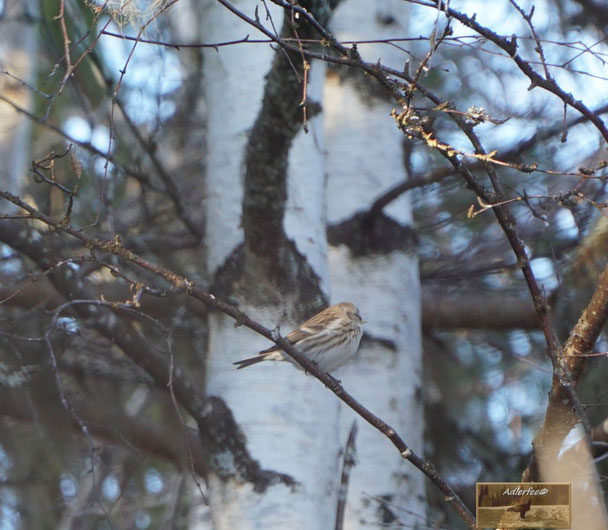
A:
330	339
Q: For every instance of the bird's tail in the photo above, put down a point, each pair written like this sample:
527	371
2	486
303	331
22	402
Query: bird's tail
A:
271	354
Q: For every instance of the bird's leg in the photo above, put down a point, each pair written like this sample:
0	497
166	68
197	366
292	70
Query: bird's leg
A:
313	362
335	381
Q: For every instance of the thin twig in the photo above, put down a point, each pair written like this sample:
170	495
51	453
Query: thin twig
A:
348	462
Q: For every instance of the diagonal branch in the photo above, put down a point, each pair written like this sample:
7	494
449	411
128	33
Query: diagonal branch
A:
588	328
213	427
580	342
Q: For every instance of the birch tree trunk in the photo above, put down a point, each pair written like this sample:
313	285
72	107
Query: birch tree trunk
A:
266	251
366	158
17	52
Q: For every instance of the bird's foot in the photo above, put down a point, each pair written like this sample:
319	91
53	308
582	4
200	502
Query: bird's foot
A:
337	381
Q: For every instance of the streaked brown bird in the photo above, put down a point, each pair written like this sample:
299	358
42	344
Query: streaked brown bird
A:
330	339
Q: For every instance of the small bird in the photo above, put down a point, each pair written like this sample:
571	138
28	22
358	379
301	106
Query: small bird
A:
330	339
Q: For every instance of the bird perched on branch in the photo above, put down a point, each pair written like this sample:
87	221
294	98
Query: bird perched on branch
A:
330	339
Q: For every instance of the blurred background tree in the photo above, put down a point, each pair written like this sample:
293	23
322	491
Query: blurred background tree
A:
151	124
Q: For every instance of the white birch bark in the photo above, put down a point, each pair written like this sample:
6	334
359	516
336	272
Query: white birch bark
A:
17	53
290	420
365	159
575	464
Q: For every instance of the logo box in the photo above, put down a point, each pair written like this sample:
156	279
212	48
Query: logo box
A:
523	504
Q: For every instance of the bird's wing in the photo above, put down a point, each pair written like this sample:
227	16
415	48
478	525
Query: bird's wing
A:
317	320
299	334
305	330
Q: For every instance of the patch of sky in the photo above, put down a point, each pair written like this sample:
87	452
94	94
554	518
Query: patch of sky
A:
509	401
474	468
493	281
460	240
68	486
78	128
565	224
69	324
545	272
494	377
9	514
5	464
153	481
419	161
505	135
476	409
100	138
520	397
110	488
502	17
81	130
520	342
559	49
143	520
464	351
582	144
427	248
498	412
152	72
166	109
100	167
422	18
8	265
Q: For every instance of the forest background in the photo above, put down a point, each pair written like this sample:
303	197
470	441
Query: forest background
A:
182	182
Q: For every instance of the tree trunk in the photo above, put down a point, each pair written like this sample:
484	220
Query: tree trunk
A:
265	238
366	157
17	52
